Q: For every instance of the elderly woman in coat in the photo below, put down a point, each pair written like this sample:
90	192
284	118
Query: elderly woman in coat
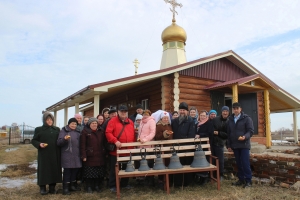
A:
93	154
49	167
68	140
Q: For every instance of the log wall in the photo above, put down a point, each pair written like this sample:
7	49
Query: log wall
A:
167	85
150	91
89	113
192	92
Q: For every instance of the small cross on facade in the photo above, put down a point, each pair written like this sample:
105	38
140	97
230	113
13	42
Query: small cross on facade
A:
136	62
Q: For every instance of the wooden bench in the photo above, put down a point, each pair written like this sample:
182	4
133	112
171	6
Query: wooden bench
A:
185	144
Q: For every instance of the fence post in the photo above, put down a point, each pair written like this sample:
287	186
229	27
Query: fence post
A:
23	132
9	136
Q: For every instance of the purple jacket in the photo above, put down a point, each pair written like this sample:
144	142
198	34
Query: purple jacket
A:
70	149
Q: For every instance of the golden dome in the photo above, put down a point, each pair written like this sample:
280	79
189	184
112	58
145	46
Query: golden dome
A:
173	33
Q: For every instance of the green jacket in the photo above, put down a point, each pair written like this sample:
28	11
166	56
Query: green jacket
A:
49	163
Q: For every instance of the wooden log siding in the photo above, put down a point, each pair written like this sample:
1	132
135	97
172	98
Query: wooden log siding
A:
192	92
261	116
167	91
150	91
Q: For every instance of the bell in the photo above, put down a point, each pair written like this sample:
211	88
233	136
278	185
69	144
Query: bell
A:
199	158
143	163
174	160
159	164
130	166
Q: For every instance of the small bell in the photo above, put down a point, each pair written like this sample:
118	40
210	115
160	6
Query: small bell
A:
199	157
143	163
130	166
159	164
174	160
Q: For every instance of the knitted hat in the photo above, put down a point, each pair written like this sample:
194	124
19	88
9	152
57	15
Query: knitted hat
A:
225	108
138	116
139	106
72	120
92	119
184	106
212	111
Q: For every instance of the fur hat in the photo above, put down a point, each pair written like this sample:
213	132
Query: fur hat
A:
46	115
72	120
92	119
184	106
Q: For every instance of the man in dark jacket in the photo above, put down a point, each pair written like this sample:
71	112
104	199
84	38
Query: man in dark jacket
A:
183	127
139	110
240	130
219	137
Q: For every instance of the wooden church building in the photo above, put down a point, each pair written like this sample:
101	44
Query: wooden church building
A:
207	83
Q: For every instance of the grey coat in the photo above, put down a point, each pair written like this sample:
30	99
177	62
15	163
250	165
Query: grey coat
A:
70	149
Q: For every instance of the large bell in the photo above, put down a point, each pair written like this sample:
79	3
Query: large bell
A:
199	158
159	164
143	163
130	166
174	160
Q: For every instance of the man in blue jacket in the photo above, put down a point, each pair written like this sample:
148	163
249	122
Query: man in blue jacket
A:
240	130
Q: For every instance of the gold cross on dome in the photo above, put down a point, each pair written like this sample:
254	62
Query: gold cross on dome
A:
174	4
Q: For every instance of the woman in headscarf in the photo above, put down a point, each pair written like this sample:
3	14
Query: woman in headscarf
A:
93	154
69	141
163	132
49	163
194	114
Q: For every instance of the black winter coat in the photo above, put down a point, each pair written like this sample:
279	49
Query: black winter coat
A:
205	130
185	129
220	125
242	127
49	163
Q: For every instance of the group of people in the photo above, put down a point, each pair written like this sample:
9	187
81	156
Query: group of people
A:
87	151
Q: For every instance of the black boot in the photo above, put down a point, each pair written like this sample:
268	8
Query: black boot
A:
66	189
43	190
89	183
52	188
72	186
97	185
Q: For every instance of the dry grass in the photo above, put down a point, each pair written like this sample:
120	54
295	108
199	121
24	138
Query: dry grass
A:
18	171
209	191
27	153
23	155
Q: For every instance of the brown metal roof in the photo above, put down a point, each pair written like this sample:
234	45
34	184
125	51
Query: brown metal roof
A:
241	81
230	55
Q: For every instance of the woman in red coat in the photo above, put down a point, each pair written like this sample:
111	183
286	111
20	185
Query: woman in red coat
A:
92	154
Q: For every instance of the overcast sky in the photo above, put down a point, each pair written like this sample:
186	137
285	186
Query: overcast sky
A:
51	49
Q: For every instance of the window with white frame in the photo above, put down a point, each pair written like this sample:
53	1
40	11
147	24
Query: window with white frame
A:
145	104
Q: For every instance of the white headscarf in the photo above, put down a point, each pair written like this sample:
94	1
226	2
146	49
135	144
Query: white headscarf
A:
158	115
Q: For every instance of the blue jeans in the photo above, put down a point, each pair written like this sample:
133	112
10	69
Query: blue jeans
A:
242	158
